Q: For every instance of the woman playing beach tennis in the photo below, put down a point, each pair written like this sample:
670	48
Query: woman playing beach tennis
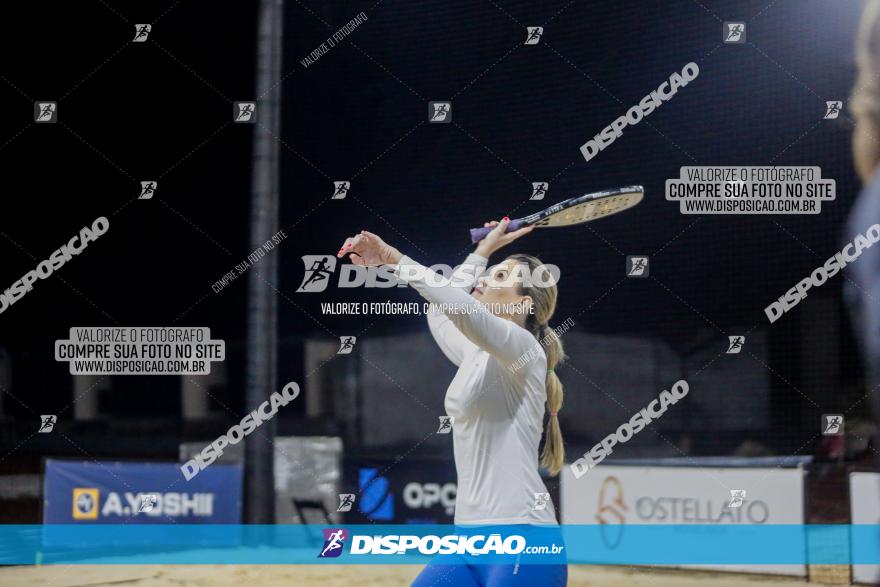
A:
498	336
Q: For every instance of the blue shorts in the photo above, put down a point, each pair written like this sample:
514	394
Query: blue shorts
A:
467	575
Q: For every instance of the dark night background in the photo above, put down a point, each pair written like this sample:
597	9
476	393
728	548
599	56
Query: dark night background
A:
162	110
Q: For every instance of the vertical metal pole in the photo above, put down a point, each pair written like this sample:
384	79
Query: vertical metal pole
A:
262	308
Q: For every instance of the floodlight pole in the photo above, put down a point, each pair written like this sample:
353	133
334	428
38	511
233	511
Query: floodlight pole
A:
262	306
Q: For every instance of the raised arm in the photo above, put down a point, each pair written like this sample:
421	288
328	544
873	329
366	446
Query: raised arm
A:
448	337
500	337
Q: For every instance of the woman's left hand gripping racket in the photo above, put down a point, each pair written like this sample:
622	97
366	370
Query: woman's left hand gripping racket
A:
575	210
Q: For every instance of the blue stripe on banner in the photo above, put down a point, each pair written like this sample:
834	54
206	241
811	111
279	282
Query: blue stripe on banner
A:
416	544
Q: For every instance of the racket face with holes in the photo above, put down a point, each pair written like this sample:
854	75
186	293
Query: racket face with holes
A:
587	208
577	210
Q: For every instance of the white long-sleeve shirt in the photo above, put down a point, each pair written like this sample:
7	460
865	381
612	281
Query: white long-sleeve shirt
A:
498	412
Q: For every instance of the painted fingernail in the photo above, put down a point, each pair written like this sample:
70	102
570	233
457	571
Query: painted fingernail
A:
506	218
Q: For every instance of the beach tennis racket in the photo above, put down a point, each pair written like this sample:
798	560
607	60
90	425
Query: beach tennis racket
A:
575	210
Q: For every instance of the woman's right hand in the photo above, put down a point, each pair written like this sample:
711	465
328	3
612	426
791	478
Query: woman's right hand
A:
498	238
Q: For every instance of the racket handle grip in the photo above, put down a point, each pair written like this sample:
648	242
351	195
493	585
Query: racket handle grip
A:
478	234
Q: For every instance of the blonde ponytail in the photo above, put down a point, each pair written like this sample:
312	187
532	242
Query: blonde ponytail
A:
543	306
553	456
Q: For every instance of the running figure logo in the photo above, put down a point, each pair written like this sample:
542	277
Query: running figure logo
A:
440	112
832	424
45	112
832	109
736	344
541	501
47	423
244	112
734	32
446	423
318	271
141	32
533	34
539	190
636	266
148	188
334	540
737	496
346	501
346	345
340	189
148	502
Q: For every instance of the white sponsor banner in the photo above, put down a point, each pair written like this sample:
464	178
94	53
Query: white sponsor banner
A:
864	498
617	496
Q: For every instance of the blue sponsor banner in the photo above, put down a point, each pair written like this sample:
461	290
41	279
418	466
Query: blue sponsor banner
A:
377	502
413	491
681	544
84	493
